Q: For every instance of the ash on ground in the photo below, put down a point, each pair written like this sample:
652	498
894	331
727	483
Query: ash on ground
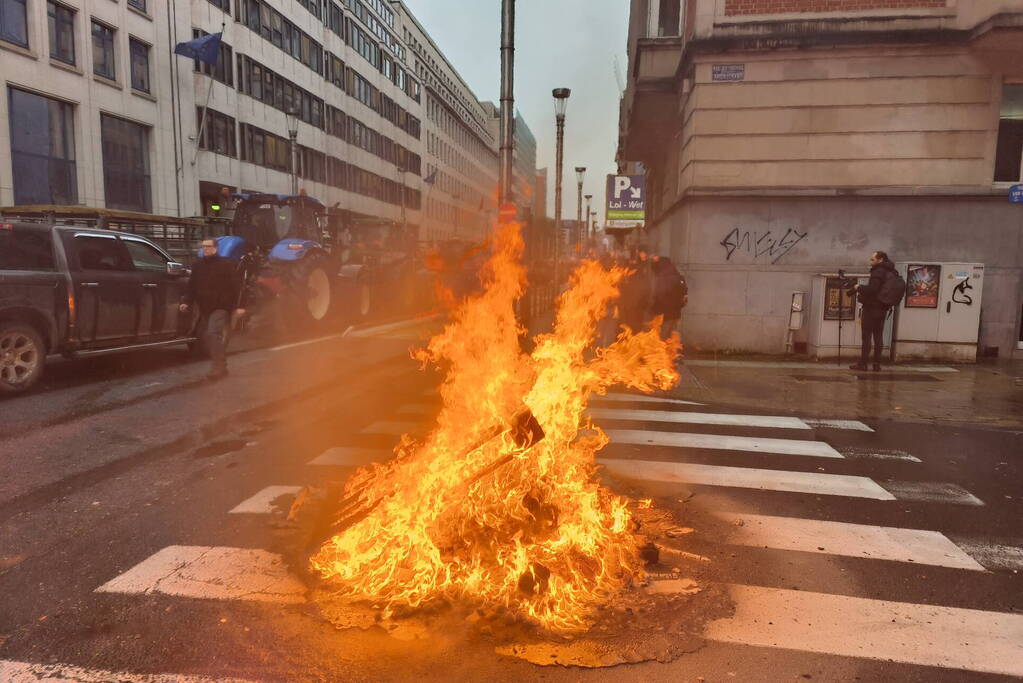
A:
660	618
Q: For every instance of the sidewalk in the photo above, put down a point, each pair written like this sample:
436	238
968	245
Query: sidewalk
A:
987	393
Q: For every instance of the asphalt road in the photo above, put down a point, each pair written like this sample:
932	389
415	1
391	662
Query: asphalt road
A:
848	551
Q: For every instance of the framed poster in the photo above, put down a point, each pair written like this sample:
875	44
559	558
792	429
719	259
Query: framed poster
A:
922	282
839	301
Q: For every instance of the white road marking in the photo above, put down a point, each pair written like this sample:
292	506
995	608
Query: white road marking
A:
639	437
307	342
878	454
392	428
216	573
262	502
808	366
680	417
351	457
931	492
853	540
390	327
925	635
25	672
640	398
837	424
748	478
992	554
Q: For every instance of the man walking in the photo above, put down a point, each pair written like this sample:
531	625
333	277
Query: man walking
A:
215	287
875	310
670	295
636	292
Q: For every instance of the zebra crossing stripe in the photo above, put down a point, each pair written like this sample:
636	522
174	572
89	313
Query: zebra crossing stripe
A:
638	437
392	428
344	456
641	398
262	502
747	478
25	672
925	635
852	540
213	573
728	419
837	424
932	492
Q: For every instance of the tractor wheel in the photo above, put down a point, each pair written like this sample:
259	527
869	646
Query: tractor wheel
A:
312	297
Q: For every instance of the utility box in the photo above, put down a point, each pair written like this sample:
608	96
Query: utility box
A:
939	318
834	329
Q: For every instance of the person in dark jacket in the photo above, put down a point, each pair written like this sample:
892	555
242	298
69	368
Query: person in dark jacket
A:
216	288
636	290
669	295
874	312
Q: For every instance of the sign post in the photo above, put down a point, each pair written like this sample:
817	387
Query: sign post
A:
626	201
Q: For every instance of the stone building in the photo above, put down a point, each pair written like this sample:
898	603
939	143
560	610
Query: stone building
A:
98	111
785	138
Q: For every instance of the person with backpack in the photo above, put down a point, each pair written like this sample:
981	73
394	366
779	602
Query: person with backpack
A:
884	290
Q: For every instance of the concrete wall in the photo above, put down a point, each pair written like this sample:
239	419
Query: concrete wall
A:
743	257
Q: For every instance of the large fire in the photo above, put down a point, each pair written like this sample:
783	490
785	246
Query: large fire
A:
499	505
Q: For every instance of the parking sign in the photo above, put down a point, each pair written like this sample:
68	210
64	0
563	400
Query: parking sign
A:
626	201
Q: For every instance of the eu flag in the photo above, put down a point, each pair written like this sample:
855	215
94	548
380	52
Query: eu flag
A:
206	49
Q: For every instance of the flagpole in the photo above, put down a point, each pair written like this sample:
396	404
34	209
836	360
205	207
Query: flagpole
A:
205	107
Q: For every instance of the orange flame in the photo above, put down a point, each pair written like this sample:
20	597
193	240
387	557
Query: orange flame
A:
475	514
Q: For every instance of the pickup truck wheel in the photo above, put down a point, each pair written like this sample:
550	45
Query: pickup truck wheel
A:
363	299
22	356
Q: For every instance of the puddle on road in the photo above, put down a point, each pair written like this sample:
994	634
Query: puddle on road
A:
223	447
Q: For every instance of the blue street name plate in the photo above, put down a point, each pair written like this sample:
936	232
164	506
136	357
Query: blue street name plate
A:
1016	193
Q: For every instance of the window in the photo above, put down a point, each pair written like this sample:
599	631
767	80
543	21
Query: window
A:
218	134
145	257
103	50
125	164
1009	154
222	4
99	252
140	5
139	64
14	22
61	21
42	149
25	249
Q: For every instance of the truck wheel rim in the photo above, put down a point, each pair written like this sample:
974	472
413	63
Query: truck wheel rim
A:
319	294
19	357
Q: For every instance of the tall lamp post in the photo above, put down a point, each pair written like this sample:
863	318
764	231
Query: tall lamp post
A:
588	198
580	175
560	104
292	120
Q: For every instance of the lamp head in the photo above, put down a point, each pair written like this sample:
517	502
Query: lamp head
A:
560	101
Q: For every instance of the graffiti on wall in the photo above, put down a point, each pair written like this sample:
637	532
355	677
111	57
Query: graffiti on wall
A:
767	244
959	294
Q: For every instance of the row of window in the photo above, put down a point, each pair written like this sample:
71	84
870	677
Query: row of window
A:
378	28
263	19
61	24
43	154
265	149
259	82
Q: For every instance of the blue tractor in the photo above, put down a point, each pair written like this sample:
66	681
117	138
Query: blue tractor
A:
285	252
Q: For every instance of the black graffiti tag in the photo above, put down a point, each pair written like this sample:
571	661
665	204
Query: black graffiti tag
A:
759	244
959	294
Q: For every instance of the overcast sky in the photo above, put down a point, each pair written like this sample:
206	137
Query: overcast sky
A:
558	43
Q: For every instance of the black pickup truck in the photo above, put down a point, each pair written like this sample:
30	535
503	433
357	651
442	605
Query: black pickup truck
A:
81	292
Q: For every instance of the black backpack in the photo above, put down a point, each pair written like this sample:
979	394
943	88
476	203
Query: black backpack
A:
892	289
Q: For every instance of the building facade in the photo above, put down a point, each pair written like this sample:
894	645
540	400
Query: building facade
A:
783	139
98	111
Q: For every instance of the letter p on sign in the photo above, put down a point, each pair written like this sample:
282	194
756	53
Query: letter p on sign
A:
622	183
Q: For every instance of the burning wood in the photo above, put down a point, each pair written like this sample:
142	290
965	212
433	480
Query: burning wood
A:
498	505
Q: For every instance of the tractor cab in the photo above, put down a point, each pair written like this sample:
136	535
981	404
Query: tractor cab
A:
265	220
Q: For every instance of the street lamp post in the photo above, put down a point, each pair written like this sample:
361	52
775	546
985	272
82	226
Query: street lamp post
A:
588	198
560	104
292	120
580	174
